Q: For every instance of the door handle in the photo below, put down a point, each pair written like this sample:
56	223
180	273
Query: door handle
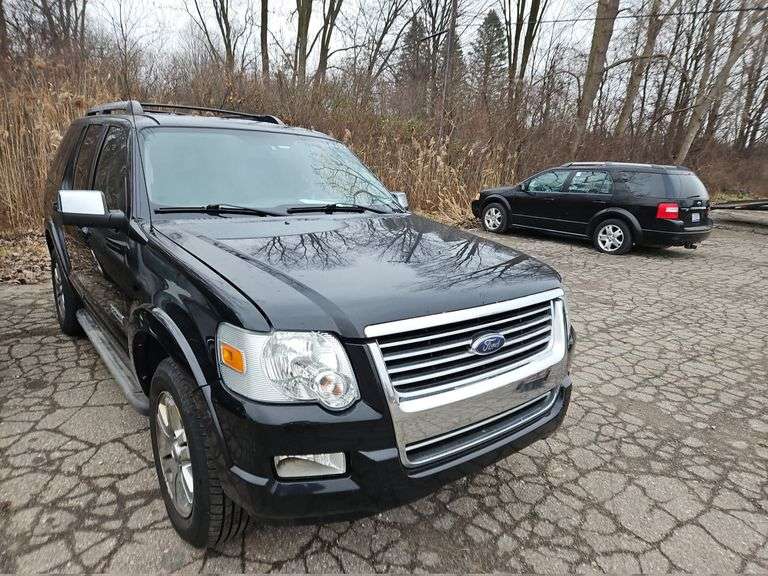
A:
117	245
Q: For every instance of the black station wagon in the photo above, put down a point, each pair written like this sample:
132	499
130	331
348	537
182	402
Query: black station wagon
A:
303	345
616	205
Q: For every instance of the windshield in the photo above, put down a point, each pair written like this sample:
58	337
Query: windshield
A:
202	166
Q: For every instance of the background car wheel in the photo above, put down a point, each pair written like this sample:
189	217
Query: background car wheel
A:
612	237
494	217
65	300
185	460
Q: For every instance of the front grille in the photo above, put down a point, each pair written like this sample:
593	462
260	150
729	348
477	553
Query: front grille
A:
482	432
435	358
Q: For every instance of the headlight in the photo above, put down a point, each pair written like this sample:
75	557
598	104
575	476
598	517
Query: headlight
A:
286	367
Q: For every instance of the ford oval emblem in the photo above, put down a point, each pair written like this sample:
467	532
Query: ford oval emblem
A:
487	344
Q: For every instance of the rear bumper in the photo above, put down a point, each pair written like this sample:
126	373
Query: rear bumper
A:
676	238
475	207
377	479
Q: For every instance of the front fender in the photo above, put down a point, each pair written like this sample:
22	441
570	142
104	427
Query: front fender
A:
497	198
55	241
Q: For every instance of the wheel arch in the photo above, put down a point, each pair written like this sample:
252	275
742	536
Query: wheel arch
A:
619	214
155	336
495	198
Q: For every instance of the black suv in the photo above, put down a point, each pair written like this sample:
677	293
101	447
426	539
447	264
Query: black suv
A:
616	205
304	346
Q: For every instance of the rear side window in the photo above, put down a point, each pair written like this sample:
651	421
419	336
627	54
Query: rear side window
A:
646	184
549	181
112	168
591	182
88	146
688	185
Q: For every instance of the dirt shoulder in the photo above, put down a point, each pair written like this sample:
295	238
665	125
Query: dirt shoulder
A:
23	258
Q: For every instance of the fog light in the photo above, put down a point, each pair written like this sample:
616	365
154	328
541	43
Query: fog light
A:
307	465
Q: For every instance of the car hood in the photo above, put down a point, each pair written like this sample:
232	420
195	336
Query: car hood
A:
342	272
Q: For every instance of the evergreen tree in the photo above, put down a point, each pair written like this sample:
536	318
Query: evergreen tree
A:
488	59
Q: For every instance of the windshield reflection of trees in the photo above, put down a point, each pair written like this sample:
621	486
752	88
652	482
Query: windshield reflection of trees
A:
443	257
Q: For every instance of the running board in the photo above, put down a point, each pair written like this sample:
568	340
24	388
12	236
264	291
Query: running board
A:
115	361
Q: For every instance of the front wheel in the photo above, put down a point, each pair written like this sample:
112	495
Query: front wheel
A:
185	459
612	237
65	299
494	217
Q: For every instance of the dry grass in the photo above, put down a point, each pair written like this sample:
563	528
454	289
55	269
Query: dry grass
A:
440	177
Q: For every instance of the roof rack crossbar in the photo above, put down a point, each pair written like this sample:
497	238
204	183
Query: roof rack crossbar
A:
120	107
150	106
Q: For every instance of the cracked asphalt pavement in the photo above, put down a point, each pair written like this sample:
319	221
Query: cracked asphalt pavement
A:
661	464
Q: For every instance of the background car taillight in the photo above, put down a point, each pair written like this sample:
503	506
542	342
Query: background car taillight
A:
668	211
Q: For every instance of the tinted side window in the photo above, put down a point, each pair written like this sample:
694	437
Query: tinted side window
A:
61	165
591	182
88	146
646	184
549	181
112	168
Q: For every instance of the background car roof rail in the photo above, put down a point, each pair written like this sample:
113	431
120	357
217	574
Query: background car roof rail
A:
169	108
120	107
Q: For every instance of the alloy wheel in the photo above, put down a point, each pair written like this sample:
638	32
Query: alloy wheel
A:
610	238
492	218
173	451
58	291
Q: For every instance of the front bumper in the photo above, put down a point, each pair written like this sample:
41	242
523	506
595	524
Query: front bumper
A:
377	479
377	476
476	207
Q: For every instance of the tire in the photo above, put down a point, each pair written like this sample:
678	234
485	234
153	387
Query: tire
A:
65	300
208	517
612	236
494	218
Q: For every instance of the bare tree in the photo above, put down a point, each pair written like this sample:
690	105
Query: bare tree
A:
304	13
640	65
4	46
264	35
605	19
741	38
331	9
226	42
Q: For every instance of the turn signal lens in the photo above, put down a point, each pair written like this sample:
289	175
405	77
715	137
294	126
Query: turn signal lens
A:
668	211
232	357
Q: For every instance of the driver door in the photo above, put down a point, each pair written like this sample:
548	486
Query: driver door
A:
535	206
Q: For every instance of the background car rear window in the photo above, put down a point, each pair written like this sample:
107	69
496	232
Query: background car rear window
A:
646	184
549	181
82	181
590	182
112	168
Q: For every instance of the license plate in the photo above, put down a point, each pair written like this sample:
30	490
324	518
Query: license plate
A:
695	217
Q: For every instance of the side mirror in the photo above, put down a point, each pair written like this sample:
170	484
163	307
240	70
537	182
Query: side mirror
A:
402	199
523	186
88	208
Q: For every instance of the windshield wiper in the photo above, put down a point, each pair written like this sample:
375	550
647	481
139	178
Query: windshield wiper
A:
331	208
216	209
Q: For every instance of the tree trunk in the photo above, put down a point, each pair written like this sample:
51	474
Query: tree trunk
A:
739	43
640	67
264	41
304	11
4	48
601	38
329	22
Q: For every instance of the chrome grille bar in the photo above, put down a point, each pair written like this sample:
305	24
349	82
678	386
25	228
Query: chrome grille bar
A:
444	399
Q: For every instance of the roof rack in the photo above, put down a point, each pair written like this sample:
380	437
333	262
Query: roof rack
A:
136	108
120	107
154	107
